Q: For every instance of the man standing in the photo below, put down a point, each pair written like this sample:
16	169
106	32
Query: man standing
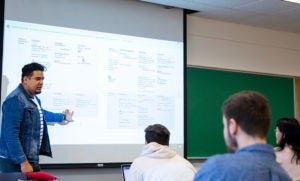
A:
24	134
246	121
158	161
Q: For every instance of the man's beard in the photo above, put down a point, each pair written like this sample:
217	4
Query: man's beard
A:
231	144
37	92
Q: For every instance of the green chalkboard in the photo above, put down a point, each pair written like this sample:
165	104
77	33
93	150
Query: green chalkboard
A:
206	91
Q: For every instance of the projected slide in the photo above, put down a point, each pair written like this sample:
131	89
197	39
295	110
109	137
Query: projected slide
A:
115	84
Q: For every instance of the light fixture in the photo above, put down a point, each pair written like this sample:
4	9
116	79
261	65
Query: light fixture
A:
293	1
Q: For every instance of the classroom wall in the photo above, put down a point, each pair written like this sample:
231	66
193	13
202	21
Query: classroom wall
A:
222	45
226	45
97	174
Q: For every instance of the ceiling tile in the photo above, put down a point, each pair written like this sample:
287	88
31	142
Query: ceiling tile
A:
274	14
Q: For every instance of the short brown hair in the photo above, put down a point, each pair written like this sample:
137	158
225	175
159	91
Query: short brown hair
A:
157	133
251	112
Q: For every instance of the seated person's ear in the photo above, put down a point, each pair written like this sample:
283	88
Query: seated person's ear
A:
233	127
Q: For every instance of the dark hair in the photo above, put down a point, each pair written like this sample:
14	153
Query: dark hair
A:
290	129
28	69
157	133
251	112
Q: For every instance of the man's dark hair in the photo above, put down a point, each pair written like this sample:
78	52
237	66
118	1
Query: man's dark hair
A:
157	133
28	69
290	129
251	112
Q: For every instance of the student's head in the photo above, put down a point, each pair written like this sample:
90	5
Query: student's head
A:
288	134
32	78
287	131
157	133
250	111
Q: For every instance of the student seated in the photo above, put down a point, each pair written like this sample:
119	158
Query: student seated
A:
288	146
246	122
157	161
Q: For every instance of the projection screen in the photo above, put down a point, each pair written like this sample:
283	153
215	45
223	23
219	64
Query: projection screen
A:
118	64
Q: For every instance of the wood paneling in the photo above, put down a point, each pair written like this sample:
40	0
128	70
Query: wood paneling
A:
297	97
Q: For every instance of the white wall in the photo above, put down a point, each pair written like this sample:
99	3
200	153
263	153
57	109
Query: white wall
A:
224	45
232	46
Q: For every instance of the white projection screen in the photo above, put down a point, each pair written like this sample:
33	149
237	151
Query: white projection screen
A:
118	64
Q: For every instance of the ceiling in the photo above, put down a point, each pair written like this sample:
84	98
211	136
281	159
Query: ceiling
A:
271	14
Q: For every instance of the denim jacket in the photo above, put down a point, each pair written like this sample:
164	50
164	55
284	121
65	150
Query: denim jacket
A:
20	130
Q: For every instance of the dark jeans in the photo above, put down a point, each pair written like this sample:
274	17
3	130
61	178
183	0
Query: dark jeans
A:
7	165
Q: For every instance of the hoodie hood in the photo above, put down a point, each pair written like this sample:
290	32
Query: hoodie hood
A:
155	150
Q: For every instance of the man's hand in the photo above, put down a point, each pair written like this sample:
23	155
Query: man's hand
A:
26	167
68	117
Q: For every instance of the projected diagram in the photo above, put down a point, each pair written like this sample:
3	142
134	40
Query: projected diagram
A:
139	88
